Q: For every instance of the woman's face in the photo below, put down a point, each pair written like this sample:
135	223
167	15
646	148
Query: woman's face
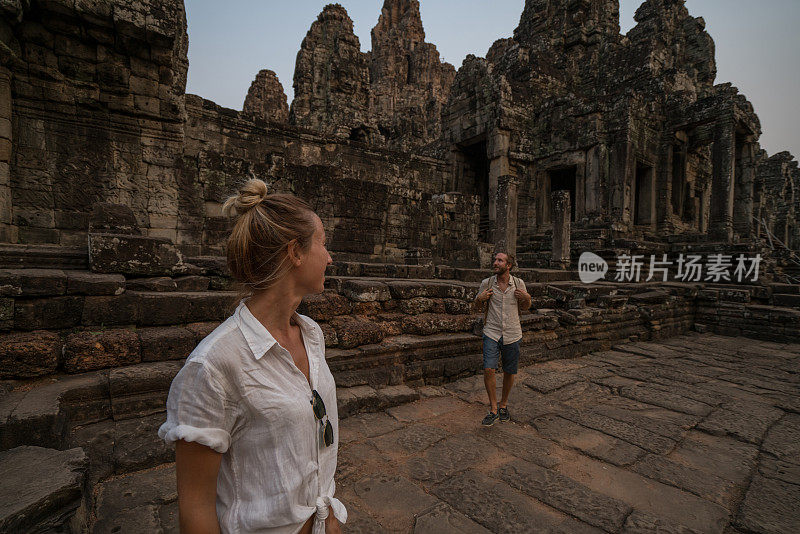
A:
311	272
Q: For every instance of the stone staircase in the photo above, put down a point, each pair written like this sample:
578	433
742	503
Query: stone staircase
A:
536	250
86	358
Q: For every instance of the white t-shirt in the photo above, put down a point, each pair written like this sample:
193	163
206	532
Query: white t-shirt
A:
241	394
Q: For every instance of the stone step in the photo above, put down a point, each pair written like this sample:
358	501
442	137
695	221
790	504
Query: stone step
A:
44	411
43	257
115	416
786	300
42	490
144	501
138	308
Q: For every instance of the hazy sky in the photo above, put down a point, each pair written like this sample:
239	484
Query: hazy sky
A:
758	45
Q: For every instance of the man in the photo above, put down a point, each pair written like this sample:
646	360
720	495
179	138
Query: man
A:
505	296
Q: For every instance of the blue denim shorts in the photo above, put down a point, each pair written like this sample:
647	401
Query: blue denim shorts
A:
493	349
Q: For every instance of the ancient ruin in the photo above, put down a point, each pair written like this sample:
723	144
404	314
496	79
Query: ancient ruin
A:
566	137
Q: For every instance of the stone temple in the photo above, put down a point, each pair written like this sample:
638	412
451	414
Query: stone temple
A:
566	137
445	163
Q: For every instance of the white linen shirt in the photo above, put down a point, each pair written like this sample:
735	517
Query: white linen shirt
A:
502	318
241	394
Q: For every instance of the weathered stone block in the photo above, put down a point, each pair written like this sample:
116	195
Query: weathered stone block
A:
47	314
192	283
42	488
137	446
406	290
209	306
415	305
159	344
390	323
786	289
353	332
113	219
201	329
158	284
789	301
29	354
367	308
221	283
329	333
142	389
158	309
365	290
612	301
86	351
402	289
734	295
6	314
649	297
457	306
211	265
397	395
356	399
711	295
86	283
133	255
32	282
324	306
434	323
110	310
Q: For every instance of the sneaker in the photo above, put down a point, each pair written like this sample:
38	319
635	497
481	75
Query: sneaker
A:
502	413
490	419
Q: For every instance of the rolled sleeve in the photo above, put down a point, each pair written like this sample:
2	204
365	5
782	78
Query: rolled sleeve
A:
198	409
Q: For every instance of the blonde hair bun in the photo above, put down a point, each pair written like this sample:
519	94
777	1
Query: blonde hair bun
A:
251	194
263	227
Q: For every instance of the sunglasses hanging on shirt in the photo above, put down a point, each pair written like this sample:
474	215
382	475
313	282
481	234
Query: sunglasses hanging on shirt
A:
322	416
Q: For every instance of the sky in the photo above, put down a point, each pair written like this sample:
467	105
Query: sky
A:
757	44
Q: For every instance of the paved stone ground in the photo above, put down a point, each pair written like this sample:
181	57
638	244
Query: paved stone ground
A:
699	433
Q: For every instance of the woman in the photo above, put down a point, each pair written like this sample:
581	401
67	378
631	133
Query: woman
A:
253	411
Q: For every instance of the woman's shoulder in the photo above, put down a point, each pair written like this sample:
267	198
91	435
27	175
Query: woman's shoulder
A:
219	347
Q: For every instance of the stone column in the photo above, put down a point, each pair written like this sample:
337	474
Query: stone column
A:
623	166
743	197
497	151
7	231
506	228
722	182
561	207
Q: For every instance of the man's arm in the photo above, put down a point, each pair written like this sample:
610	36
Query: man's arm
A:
523	297
484	294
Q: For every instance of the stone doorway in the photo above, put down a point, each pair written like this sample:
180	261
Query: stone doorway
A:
644	204
562	179
679	186
472	178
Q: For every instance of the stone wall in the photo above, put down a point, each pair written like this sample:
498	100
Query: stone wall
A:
737	312
776	198
95	96
96	107
376	204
